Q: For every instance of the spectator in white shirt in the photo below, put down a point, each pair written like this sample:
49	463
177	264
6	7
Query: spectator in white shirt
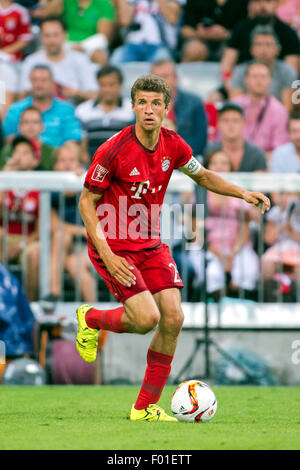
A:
73	71
8	87
108	113
150	29
286	158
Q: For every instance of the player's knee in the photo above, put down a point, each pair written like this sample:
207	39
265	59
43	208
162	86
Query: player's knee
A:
173	321
147	323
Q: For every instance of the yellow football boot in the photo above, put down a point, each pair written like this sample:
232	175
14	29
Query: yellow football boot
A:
87	338
151	413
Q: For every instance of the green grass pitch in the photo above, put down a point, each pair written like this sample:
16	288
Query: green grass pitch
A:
79	417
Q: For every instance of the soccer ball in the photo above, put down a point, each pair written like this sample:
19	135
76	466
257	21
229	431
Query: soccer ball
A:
194	401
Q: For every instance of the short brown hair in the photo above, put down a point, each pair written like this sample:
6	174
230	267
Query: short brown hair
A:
151	83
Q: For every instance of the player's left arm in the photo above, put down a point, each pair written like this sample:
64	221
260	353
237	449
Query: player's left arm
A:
214	182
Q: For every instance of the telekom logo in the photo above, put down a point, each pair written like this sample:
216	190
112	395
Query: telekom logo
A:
2	92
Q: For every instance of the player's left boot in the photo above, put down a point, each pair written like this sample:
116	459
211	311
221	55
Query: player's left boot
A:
87	338
151	413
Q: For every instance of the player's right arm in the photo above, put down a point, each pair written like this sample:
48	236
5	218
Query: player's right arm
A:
117	266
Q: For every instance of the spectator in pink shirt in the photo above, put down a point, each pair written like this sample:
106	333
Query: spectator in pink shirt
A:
265	117
289	12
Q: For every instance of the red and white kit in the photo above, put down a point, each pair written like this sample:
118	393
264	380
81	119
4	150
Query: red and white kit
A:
14	26
133	181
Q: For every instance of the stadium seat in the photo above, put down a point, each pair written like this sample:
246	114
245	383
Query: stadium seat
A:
131	71
199	77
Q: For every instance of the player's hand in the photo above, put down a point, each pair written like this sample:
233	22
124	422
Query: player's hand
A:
121	270
256	199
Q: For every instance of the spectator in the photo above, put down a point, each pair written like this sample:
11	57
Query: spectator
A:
231	262
15	32
289	11
208	23
73	73
281	261
265	47
243	155
60	122
194	50
89	24
71	232
108	113
186	110
265	117
286	158
31	126
16	317
263	12
228	235
150	30
19	226
9	87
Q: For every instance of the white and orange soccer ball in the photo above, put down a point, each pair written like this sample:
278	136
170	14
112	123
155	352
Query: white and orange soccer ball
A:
194	401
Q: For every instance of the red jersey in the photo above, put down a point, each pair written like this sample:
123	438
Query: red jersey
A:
14	26
22	210
133	181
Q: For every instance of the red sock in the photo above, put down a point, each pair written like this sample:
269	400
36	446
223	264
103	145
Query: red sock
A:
156	375
106	319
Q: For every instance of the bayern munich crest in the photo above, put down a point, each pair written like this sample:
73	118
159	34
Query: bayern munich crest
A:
165	164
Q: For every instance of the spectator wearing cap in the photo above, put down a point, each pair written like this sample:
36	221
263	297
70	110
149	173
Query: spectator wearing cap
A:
108	113
186	110
59	120
244	156
286	158
265	117
31	126
265	47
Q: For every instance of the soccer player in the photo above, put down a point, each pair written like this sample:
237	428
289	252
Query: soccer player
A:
129	176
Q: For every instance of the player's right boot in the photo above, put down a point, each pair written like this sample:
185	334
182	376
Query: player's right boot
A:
87	338
151	413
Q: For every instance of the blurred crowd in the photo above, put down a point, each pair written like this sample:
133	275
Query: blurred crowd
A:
62	66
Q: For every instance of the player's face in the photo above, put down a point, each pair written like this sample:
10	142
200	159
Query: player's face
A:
31	125
150	110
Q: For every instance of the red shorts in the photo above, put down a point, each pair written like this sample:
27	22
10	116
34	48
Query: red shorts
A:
154	269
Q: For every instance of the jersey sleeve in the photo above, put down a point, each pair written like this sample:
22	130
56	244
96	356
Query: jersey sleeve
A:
101	172
184	153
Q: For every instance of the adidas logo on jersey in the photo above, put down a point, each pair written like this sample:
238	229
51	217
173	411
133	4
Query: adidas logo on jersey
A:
134	172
